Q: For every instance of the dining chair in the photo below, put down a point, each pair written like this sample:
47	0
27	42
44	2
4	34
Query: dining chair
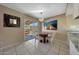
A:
37	38
51	37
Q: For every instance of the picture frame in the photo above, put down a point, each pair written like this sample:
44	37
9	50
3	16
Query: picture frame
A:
11	21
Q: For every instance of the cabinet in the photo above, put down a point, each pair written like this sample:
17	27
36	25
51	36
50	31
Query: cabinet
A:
72	12
76	9
74	42
72	9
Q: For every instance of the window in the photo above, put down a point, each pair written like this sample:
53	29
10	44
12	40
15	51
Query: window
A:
34	24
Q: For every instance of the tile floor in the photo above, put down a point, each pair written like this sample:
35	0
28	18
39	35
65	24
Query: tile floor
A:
28	48
59	47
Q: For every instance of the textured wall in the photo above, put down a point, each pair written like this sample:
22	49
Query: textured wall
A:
15	35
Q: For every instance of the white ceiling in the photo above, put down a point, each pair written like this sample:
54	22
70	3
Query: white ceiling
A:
48	9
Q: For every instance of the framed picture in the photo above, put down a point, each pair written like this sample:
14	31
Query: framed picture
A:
11	21
50	24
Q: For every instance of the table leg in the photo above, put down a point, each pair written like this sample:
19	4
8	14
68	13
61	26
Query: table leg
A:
44	40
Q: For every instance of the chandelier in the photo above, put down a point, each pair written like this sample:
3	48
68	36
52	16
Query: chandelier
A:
41	19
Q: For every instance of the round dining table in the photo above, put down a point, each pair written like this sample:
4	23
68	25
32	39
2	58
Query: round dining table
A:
44	36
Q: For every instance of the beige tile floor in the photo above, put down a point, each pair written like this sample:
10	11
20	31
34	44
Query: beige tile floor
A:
59	47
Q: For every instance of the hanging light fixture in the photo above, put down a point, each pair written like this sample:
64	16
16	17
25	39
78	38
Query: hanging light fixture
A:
41	19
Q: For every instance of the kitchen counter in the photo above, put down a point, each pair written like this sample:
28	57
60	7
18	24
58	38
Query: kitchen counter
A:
74	39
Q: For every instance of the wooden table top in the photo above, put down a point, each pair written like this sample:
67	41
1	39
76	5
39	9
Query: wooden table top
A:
43	34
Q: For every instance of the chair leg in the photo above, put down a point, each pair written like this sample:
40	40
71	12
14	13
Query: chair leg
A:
52	43
35	42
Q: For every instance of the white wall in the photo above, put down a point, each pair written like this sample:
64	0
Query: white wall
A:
10	36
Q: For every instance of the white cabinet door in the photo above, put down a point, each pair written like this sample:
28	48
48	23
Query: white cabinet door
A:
69	10
76	10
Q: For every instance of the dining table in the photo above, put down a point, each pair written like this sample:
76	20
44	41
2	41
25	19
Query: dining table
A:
44	36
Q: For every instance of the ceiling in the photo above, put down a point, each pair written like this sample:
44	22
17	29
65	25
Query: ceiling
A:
35	9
